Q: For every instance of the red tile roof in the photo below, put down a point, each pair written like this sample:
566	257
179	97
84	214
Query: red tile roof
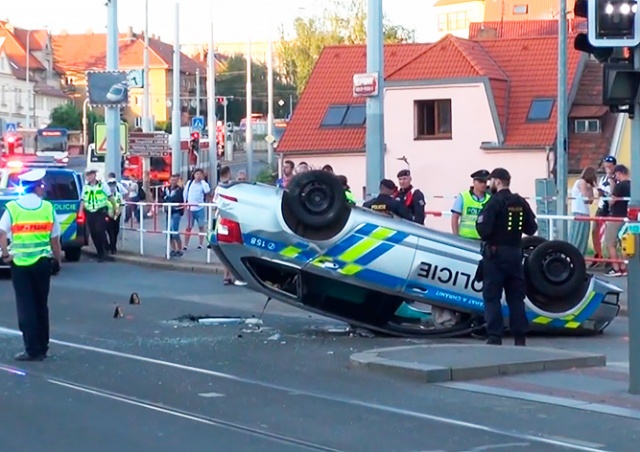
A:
82	52
17	54
331	83
522	28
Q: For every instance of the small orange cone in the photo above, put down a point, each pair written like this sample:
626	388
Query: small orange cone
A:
134	298
118	313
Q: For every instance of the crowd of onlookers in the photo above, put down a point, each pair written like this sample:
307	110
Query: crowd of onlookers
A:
612	192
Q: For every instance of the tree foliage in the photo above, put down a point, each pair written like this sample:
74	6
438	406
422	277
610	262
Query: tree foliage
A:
232	82
343	23
69	117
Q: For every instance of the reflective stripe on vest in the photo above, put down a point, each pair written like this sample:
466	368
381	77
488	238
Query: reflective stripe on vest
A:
30	232
94	197
470	210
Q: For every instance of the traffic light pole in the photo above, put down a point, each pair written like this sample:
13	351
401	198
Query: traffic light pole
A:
211	108
112	113
562	157
176	124
633	280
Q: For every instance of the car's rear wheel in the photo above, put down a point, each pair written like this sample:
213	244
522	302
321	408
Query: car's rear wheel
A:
531	243
72	254
314	205
556	269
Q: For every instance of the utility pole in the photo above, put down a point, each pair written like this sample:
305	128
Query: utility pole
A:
249	122
147	125
375	104
146	102
633	280
198	93
562	158
28	79
211	107
270	101
112	113
176	153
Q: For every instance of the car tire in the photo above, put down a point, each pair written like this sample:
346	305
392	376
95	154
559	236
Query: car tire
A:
556	269
316	199
72	254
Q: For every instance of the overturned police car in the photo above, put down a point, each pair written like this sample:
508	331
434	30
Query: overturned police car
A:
308	247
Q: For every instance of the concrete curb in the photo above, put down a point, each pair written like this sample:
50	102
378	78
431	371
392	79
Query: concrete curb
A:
441	372
154	262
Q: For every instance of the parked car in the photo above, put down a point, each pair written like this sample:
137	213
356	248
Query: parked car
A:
307	247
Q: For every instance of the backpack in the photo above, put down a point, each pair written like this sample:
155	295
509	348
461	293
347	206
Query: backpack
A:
141	194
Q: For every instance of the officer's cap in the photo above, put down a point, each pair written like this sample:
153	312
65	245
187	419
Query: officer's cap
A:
90	171
32	176
388	184
500	174
482	175
404	173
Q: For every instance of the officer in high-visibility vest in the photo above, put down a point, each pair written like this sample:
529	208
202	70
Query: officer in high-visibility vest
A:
35	238
115	212
96	202
468	205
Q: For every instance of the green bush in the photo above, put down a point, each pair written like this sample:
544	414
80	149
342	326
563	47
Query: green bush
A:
267	176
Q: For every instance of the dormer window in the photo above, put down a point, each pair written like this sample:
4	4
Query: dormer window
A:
587	126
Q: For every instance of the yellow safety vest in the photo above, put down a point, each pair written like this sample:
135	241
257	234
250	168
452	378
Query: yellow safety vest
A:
470	210
115	208
30	232
350	198
94	197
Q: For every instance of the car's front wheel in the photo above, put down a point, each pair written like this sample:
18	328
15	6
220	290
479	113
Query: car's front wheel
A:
556	269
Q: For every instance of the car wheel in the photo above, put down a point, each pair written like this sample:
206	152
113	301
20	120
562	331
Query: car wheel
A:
531	243
72	254
316	199
556	269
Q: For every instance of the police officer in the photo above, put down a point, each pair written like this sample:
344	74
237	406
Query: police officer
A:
411	197
468	205
35	235
115	212
386	203
96	200
500	226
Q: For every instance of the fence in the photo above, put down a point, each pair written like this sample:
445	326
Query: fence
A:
157	225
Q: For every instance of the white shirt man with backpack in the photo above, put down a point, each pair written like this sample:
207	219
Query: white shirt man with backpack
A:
196	192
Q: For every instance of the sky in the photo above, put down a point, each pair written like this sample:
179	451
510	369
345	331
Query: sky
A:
234	20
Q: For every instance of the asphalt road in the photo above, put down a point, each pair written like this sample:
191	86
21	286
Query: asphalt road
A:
150	382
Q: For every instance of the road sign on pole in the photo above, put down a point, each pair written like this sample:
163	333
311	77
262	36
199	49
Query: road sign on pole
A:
197	123
100	138
155	144
11	127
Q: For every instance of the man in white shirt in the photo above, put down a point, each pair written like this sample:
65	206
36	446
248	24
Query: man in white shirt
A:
196	192
111	179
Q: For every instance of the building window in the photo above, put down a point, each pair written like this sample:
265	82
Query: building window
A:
540	109
432	119
345	115
453	21
587	126
521	9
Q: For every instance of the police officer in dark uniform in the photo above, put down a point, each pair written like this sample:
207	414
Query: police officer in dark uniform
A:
411	197
500	226
386	203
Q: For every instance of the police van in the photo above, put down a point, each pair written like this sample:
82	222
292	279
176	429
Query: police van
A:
63	188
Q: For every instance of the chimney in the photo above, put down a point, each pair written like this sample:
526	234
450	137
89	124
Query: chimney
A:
130	33
88	31
488	33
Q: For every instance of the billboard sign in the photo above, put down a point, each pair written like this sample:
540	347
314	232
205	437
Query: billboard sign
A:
108	88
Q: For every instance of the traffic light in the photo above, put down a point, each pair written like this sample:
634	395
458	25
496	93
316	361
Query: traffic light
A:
194	144
12	143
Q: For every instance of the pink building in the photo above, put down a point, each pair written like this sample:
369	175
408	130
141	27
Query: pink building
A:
452	108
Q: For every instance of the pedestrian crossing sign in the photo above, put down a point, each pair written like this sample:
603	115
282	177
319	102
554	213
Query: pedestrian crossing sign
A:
100	138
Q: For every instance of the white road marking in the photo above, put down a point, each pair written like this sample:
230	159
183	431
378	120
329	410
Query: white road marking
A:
337	399
210	394
497	446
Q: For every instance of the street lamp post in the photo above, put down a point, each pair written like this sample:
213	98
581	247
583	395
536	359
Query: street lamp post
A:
147	125
28	79
85	137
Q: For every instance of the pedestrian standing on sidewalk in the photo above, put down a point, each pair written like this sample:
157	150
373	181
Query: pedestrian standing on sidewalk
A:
35	235
196	192
581	199
115	214
174	194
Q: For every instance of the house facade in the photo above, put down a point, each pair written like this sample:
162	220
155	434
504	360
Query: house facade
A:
78	53
42	93
452	108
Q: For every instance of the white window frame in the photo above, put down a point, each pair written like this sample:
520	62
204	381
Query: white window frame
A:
583	126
